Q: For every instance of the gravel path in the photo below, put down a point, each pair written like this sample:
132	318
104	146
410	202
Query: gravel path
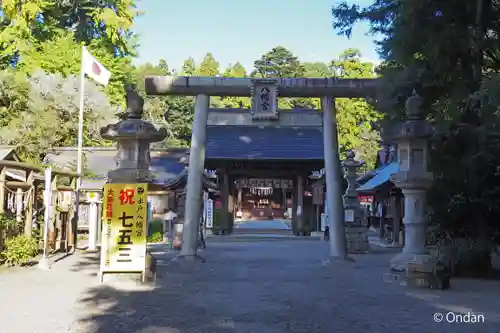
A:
268	287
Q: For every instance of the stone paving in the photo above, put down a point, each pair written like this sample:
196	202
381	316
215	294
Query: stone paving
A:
269	287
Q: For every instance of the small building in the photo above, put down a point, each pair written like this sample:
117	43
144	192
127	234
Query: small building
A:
168	165
387	200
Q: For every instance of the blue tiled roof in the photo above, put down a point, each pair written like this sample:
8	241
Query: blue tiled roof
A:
261	143
382	177
165	169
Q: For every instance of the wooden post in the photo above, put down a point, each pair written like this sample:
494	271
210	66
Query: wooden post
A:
53	203
2	203
283	198
224	193
240	198
28	216
59	227
72	223
294	208
230	204
2	189
19	205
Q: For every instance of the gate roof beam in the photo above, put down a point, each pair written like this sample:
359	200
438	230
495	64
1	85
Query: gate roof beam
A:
241	87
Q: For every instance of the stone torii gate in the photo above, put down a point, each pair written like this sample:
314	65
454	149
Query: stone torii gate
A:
264	93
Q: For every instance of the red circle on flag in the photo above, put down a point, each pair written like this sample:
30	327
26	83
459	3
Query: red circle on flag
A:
96	69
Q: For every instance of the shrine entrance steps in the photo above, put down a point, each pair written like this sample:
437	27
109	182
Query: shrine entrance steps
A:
270	227
262	230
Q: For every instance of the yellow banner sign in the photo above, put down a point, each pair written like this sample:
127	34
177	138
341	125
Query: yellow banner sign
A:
124	220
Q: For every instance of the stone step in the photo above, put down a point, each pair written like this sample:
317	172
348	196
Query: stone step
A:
262	231
258	237
395	277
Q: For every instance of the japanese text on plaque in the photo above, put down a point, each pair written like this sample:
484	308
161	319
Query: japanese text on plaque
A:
124	247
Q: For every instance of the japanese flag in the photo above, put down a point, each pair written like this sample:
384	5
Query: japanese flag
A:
93	68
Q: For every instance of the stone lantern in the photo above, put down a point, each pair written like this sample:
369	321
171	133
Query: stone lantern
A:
357	239
413	179
133	137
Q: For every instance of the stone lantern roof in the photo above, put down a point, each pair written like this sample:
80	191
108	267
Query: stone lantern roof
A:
415	127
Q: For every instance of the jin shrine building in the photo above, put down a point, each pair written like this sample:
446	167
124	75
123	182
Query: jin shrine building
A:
263	165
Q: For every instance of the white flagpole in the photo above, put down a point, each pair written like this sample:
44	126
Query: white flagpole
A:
79	157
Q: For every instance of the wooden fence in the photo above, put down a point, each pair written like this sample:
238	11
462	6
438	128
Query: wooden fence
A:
23	202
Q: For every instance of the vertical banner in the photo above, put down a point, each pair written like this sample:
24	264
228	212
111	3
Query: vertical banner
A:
125	209
209	221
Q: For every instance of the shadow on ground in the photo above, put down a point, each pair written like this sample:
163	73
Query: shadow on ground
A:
281	286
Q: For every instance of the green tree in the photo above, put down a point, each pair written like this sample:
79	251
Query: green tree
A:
24	21
175	113
279	62
40	42
189	67
52	104
208	66
236	70
317	69
449	52
355	117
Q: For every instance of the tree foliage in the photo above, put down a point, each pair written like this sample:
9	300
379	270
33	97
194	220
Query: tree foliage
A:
279	62
49	112
448	51
40	56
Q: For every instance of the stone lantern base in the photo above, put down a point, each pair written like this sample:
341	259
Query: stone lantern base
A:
422	271
357	239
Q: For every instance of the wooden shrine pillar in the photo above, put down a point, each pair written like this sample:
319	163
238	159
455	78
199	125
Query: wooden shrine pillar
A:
2	202
231	202
283	198
2	189
72	222
318	201
240	198
55	213
227	202
28	216
294	207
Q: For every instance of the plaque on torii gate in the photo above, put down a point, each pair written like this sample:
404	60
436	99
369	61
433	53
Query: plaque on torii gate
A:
264	94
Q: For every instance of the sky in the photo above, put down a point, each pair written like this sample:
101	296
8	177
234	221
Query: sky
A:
243	30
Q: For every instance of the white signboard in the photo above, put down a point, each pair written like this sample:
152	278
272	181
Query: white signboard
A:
299	210
209	219
323	222
349	215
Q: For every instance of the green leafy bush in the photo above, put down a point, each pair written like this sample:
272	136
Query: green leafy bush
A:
155	231
156	237
20	250
10	225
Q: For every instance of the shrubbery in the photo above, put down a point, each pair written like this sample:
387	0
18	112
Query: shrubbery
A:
155	231
20	250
